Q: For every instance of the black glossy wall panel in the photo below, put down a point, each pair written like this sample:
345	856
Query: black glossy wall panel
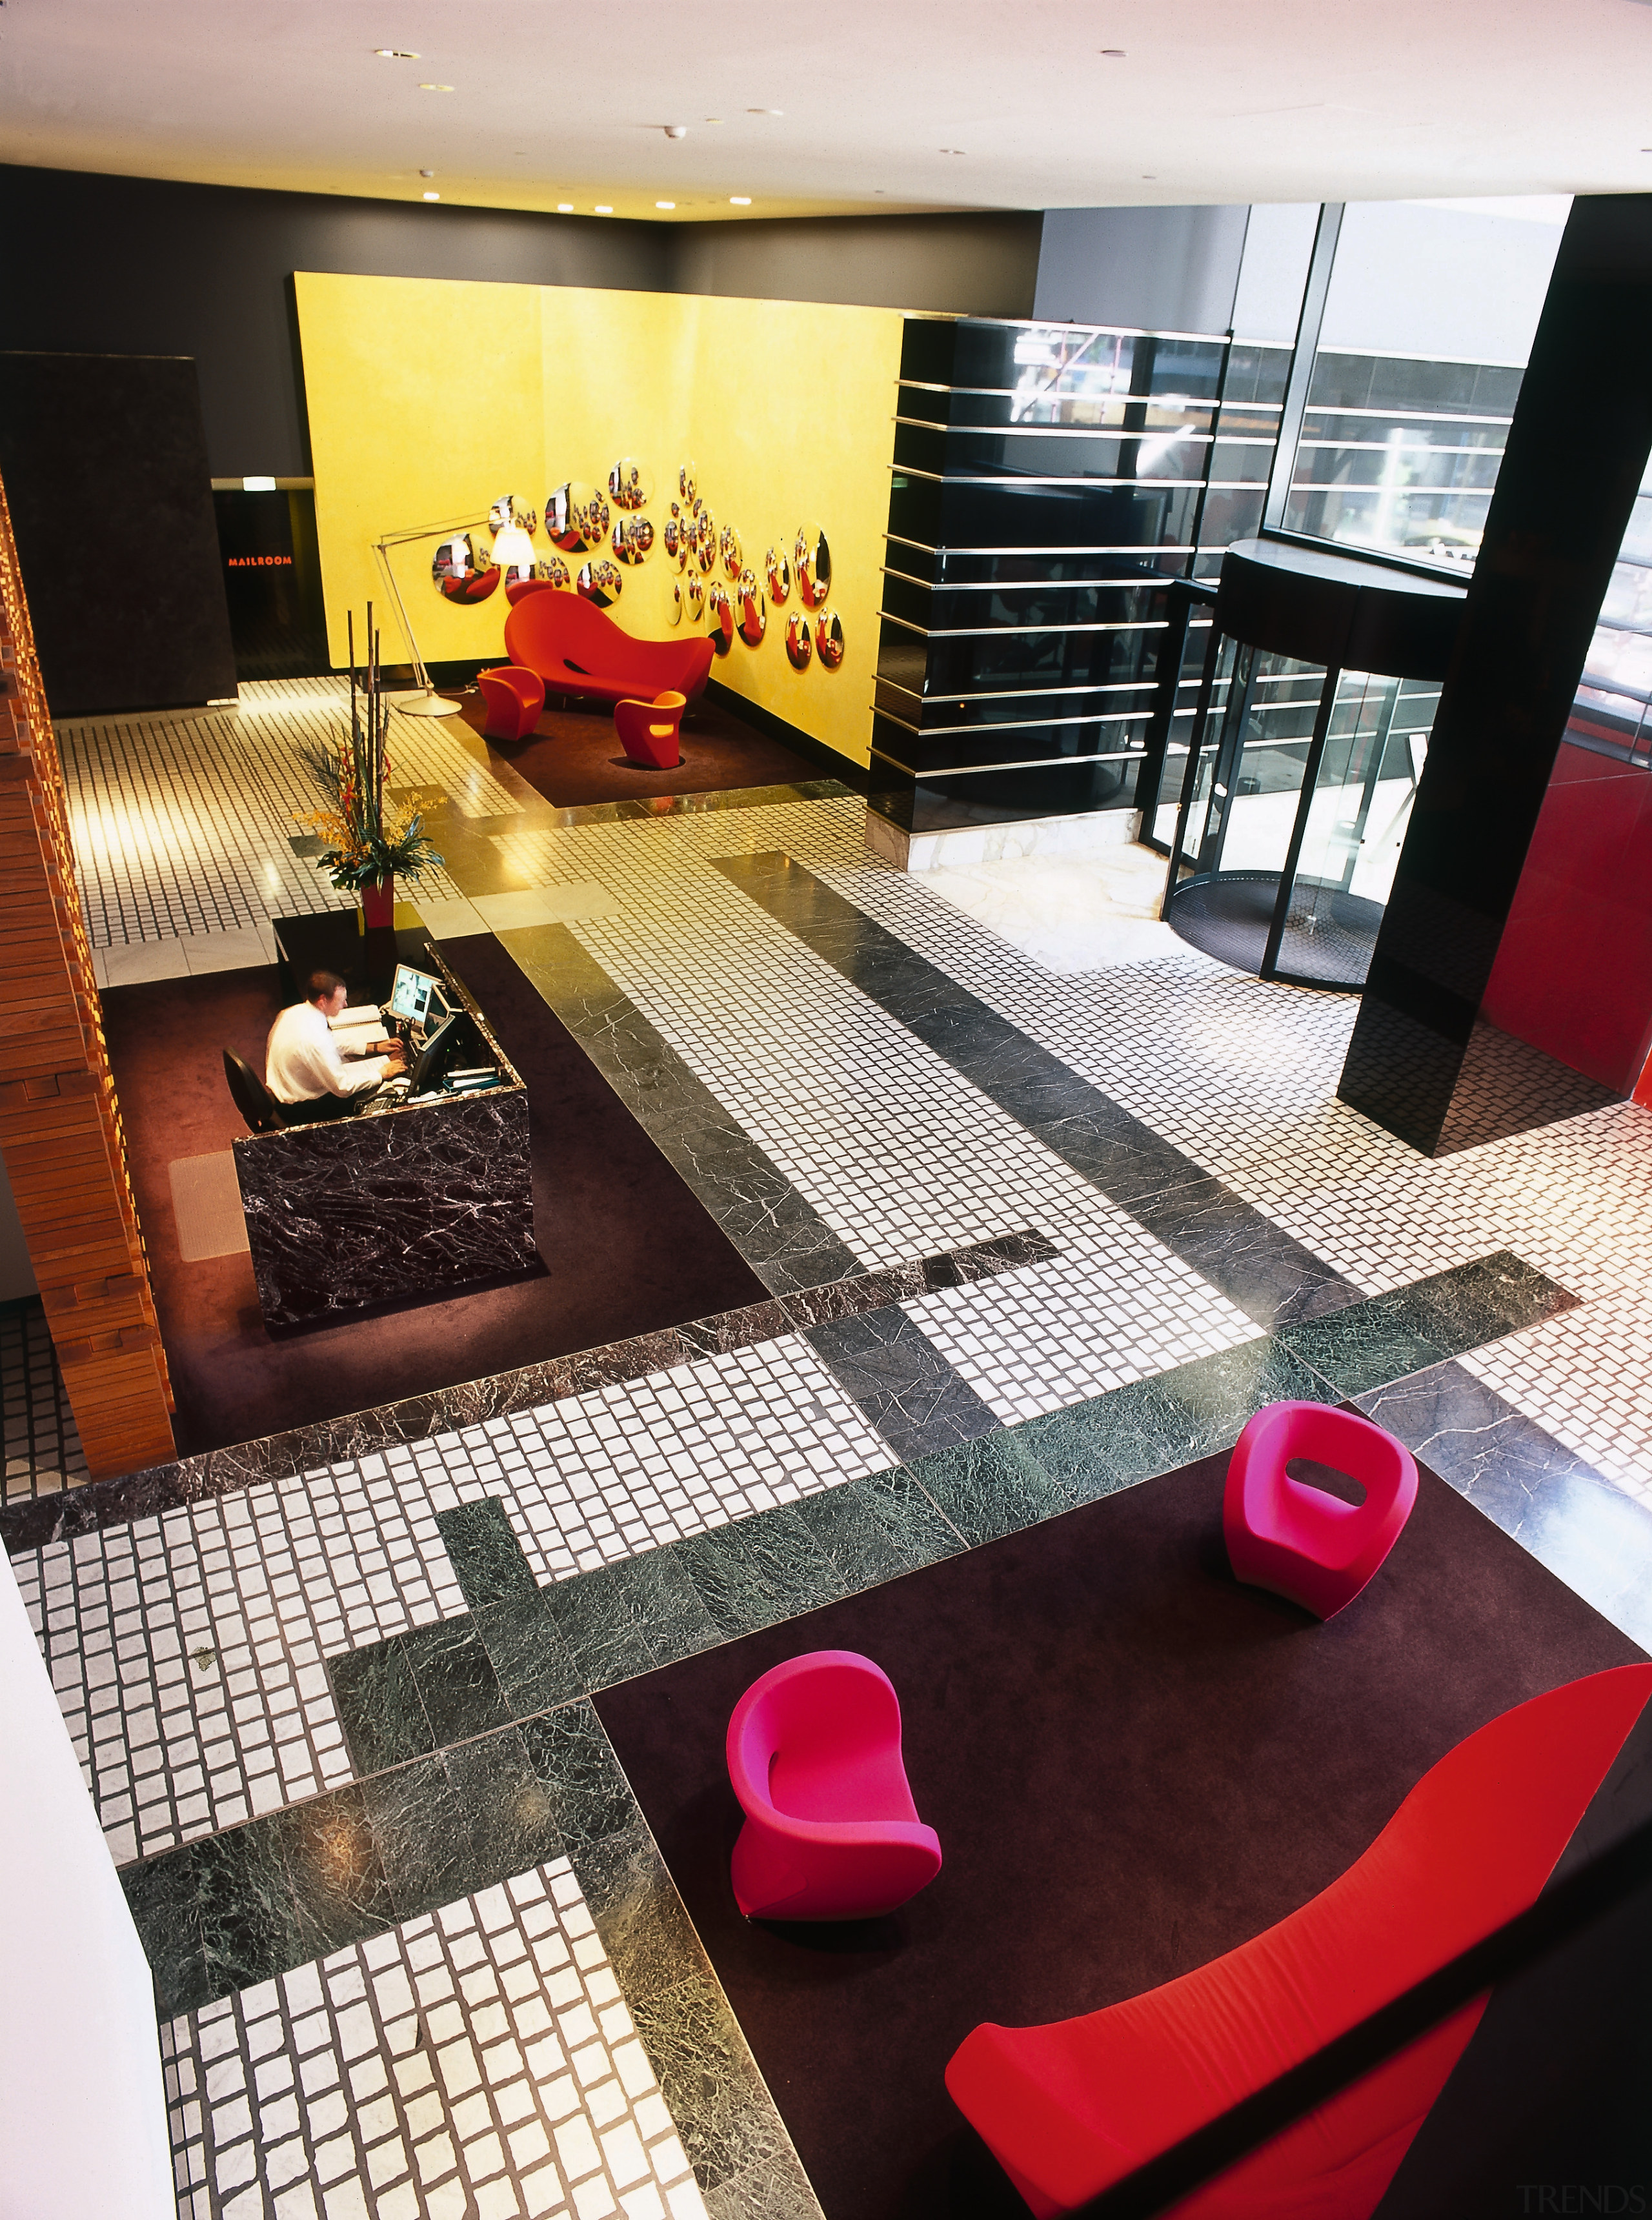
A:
1420	1061
104	460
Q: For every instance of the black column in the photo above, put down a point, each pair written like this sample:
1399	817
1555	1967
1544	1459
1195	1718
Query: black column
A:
1421	1063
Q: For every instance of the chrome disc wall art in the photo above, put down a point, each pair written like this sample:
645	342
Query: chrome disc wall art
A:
722	619
828	639
630	486
779	572
813	560
600	583
753	611
694	596
799	646
733	554
553	570
462	569
632	538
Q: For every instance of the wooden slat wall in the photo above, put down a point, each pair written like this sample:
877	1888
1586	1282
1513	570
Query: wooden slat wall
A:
60	1133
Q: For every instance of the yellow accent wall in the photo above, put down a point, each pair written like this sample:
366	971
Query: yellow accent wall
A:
430	397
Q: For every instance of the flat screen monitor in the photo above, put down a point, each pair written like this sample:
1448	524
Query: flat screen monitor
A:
457	1040
411	995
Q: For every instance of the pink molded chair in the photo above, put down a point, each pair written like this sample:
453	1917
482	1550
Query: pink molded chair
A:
1298	1540
830	1829
515	701
649	731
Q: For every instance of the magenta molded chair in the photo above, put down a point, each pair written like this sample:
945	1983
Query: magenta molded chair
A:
830	1829
1298	1540
515	699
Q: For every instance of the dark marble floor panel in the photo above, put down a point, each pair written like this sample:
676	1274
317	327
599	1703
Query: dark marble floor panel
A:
786	1242
1270	1276
909	1391
32	1522
1590	1533
1417	1326
240	1907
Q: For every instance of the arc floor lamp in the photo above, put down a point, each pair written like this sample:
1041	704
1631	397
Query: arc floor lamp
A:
424	701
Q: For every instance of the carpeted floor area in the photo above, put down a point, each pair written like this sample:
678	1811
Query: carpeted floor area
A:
1133	1765
574	757
626	1245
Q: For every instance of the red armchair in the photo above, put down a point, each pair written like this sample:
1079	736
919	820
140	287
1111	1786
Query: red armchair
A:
514	700
830	1829
649	731
1070	2108
1298	1540
574	648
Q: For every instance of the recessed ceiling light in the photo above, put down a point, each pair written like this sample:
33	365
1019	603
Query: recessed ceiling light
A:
713	119
435	88
601	210
766	111
1113	54
739	200
396	54
665	204
432	196
564	208
427	174
951	150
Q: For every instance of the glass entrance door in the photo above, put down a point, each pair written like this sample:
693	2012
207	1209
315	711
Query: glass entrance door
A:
1296	798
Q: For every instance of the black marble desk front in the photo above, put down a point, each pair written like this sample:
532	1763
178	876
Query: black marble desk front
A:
406	1199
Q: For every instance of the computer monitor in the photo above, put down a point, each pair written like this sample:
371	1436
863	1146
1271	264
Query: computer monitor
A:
416	995
457	1040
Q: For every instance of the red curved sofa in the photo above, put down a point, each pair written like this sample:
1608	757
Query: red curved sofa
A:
573	648
1070	2108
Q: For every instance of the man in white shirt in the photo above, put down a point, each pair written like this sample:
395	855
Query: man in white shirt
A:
304	1067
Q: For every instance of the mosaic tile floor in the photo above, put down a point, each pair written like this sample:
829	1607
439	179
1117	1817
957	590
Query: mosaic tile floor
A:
855	1076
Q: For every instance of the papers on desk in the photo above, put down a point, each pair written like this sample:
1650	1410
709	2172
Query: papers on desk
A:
357	1013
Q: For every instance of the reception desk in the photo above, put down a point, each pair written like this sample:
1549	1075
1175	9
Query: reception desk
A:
406	1199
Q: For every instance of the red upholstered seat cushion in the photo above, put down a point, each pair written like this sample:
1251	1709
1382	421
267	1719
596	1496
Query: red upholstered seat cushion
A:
579	650
1070	2108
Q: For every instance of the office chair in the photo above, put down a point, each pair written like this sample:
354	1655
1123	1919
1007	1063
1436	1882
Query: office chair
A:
251	1096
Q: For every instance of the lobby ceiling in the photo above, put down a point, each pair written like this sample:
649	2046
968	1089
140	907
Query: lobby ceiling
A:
946	104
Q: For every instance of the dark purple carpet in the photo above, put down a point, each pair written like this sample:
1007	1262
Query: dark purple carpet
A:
626	1247
574	757
1133	1765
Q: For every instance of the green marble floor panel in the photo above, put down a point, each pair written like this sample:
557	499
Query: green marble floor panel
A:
989	1487
758	1571
485	1554
1384	1338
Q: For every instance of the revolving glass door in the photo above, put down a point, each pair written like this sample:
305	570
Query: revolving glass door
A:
1298	790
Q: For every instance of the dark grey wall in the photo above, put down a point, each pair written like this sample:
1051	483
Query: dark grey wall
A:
1152	269
983	266
138	265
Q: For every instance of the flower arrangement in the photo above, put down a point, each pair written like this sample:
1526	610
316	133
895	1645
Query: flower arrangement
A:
372	840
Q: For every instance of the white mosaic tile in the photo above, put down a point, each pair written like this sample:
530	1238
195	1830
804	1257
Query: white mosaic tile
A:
478	2063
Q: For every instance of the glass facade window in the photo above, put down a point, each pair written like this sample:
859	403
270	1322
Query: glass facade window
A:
1612	712
1427	328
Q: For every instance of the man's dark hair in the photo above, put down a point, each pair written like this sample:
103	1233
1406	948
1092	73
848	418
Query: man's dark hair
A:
321	986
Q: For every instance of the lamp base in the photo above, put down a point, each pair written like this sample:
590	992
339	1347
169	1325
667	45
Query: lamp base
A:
425	703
